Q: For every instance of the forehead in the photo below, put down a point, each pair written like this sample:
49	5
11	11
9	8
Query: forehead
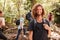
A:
39	7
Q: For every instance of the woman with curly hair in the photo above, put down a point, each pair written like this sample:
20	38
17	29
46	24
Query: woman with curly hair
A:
39	30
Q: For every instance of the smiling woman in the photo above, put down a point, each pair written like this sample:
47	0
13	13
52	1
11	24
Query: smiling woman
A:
41	30
37	11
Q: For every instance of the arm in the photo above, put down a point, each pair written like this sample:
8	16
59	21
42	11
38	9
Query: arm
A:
30	29
47	28
3	22
30	35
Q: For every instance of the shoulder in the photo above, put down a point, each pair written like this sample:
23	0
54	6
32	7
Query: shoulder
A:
31	25
32	21
46	22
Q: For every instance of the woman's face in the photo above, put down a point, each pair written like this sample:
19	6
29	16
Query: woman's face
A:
39	10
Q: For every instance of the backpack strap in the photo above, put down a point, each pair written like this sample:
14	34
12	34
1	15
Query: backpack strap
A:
35	24
45	21
35	21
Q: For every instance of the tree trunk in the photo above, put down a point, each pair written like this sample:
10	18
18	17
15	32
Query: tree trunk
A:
4	5
32	2
18	6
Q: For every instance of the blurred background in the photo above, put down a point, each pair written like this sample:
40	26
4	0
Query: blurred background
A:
13	9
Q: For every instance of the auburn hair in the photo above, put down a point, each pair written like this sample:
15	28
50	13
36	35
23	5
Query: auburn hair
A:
34	9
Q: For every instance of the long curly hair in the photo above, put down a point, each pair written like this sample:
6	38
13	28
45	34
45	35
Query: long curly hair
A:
34	9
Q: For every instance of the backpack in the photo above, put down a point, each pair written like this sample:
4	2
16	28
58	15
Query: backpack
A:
28	16
44	22
18	22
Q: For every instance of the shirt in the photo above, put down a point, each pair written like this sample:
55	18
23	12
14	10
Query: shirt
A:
39	32
21	25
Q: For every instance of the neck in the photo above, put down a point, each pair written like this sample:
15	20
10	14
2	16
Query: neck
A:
39	19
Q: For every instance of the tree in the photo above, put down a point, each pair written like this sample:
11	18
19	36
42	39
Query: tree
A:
4	5
32	2
18	7
56	12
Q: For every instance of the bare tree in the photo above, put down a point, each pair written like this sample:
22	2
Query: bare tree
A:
4	5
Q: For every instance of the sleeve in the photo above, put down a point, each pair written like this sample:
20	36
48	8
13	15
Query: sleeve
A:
31	26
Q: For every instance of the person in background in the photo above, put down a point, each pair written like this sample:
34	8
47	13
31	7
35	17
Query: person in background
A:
22	19
38	28
29	16
20	24
50	16
2	25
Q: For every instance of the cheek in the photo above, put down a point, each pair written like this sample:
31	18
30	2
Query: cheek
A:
41	11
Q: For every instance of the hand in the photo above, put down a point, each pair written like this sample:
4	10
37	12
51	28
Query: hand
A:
49	36
46	26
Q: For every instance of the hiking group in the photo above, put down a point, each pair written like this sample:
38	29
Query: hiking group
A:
38	27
